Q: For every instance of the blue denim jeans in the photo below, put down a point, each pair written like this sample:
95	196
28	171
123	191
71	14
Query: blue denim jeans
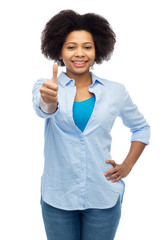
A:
89	224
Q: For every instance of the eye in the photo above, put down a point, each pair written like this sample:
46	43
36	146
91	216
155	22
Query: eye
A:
88	47
70	47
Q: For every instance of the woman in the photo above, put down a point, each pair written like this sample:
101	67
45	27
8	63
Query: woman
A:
81	187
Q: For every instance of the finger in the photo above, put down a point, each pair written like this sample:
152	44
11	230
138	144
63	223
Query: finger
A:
49	92
49	85
48	97
55	72
112	162
113	175
49	100
110	172
118	178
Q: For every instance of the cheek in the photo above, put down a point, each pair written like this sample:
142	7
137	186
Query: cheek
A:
66	59
92	55
66	55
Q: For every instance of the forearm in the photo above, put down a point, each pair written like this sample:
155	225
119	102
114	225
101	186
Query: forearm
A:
135	151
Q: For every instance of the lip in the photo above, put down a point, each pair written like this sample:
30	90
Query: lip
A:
79	63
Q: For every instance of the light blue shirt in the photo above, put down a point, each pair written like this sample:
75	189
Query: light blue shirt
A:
73	176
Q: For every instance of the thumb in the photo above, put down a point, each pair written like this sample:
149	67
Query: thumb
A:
112	162
55	72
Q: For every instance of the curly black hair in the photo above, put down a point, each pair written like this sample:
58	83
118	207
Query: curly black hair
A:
58	27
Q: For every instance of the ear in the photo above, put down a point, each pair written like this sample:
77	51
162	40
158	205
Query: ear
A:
60	61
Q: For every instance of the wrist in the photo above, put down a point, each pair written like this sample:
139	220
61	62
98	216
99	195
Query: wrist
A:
128	164
48	108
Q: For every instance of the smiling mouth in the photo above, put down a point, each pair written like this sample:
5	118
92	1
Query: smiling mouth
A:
79	62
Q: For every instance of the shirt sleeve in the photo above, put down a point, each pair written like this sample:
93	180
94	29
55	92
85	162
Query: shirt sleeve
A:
134	120
36	99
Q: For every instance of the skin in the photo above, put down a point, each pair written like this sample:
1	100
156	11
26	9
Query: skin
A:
78	55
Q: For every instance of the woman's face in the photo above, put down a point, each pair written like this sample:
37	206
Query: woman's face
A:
78	52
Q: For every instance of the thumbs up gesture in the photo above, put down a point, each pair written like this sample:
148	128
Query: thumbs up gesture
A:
49	92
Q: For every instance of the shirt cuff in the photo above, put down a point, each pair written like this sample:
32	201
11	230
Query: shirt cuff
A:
47	108
143	135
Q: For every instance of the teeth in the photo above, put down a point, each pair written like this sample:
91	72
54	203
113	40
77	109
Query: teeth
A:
79	63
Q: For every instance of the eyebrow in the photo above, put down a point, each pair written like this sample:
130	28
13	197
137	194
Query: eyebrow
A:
76	43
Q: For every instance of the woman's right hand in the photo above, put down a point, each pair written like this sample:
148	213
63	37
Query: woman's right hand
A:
49	89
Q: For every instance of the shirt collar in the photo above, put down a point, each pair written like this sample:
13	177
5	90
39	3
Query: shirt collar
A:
96	79
65	80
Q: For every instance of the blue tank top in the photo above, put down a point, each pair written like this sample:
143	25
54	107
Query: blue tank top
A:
82	112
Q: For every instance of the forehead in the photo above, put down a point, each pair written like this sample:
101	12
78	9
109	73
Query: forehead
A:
79	36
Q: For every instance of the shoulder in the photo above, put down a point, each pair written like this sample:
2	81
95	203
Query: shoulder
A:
109	84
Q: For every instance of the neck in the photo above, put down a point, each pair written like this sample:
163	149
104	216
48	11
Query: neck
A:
81	80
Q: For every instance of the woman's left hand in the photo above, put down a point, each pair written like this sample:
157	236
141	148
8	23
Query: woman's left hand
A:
118	171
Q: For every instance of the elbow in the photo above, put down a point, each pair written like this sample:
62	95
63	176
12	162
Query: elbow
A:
141	134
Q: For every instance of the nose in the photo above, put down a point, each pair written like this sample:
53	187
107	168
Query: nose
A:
79	52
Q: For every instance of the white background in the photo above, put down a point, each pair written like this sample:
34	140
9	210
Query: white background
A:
137	62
